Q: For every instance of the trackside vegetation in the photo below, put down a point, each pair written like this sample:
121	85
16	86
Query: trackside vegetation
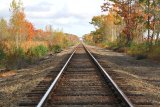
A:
21	43
131	26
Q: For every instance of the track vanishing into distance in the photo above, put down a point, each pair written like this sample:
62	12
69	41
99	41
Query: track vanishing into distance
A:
81	82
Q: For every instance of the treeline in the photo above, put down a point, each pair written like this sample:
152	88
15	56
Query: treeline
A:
21	43
131	26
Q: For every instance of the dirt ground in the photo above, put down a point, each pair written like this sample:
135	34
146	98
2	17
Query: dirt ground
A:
142	77
14	84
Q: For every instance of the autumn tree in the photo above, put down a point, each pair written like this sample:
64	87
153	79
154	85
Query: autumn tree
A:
72	39
3	29
107	27
125	9
99	24
20	27
151	9
17	20
59	38
114	24
30	31
88	38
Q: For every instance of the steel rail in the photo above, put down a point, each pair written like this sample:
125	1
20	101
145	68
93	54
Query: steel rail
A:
46	95
115	86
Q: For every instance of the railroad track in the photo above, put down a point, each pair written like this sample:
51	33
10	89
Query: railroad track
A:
81	82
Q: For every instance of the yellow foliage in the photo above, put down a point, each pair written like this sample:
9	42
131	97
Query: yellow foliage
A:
59	38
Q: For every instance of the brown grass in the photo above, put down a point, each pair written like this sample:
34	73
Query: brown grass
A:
101	45
8	45
28	44
7	74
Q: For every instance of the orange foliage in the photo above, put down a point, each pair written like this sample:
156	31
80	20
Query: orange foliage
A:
30	30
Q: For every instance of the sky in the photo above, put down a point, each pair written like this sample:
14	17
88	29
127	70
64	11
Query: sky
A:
71	16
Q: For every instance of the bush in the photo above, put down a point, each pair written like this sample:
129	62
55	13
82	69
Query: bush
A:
15	59
2	54
16	53
19	52
139	50
56	48
70	44
155	52
37	51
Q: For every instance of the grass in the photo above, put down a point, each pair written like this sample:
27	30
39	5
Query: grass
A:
7	74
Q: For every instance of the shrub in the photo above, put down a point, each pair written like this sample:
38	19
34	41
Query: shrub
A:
15	59
56	48
2	54
155	52
19	52
37	51
102	45
121	40
112	45
70	44
139	50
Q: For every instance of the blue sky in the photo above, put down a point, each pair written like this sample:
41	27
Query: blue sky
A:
73	16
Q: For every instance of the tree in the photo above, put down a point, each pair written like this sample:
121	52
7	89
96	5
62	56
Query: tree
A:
17	20
3	29
125	9
107	27
152	10
88	38
30	31
99	23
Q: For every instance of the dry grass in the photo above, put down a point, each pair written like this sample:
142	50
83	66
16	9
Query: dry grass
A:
101	45
7	74
28	44
8	45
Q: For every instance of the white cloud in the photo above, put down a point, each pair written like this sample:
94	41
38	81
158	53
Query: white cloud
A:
71	15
